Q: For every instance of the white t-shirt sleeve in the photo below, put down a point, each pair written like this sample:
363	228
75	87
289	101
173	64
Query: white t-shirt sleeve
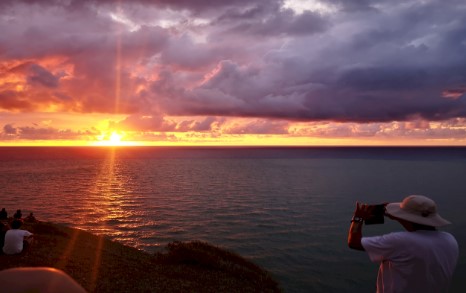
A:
380	248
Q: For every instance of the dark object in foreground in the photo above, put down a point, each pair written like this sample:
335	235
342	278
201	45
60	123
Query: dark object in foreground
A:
205	257
37	279
377	215
101	265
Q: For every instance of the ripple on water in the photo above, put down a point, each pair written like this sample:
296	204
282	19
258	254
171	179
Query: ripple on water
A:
288	215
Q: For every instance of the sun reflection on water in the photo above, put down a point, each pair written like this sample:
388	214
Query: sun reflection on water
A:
106	200
107	194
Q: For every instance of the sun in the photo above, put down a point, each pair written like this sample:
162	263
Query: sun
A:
115	138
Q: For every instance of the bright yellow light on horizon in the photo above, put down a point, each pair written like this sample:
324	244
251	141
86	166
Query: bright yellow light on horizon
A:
113	139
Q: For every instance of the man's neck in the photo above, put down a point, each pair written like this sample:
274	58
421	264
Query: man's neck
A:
418	227
411	227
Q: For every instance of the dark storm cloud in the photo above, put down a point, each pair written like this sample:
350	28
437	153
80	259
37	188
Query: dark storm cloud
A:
39	75
388	67
198	6
353	5
360	61
269	20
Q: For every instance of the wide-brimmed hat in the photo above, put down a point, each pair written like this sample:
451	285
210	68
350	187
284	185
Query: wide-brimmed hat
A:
417	209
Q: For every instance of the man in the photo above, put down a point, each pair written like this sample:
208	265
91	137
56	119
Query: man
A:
16	239
421	259
3	214
30	218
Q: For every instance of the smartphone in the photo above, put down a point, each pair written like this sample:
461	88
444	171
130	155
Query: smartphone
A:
377	216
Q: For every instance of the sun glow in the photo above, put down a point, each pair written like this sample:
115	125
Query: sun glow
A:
114	138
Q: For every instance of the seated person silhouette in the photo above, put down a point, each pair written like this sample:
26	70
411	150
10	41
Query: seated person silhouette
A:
3	214
16	240
30	218
3	229
18	214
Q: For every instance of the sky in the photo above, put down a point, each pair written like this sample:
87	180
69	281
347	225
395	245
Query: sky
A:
232	72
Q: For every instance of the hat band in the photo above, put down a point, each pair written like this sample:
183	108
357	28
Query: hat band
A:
423	213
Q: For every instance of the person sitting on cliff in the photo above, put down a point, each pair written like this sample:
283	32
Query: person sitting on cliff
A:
3	229
3	214
17	240
30	218
18	215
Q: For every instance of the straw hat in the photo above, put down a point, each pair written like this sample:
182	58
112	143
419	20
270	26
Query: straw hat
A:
417	209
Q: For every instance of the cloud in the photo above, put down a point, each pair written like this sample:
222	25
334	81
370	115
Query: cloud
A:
420	129
41	76
356	62
11	100
183	53
160	124
42	133
258	127
264	21
209	124
8	129
454	94
351	6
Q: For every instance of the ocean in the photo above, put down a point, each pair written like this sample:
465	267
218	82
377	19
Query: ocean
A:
286	209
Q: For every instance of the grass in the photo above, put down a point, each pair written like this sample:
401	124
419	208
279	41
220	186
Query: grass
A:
101	265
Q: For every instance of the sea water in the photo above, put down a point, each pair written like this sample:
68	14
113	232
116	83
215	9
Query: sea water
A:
286	209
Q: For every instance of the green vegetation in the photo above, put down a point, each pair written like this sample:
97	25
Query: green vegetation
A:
101	265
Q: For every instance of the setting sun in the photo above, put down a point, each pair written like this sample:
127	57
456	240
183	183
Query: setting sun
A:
115	138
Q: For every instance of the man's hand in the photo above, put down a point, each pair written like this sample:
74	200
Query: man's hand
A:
29	239
362	212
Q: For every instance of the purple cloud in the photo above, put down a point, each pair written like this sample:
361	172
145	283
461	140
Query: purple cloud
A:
40	133
161	124
259	127
41	76
357	61
8	129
